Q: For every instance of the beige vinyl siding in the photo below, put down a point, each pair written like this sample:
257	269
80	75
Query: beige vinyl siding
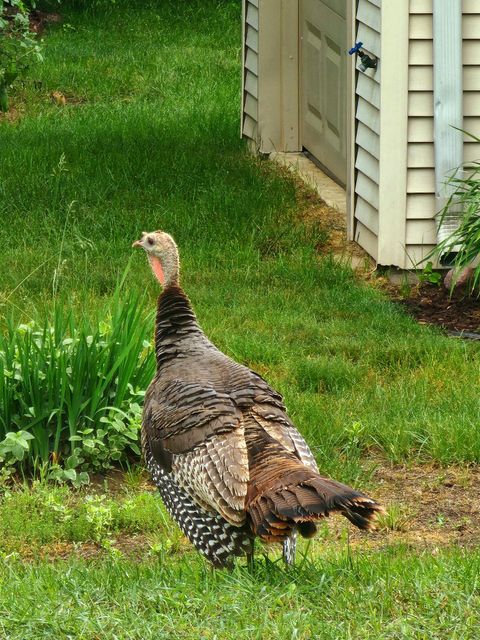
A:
250	71
378	201
420	231
367	139
421	203
471	79
270	96
391	188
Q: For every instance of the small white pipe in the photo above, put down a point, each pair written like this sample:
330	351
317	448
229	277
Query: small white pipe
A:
448	104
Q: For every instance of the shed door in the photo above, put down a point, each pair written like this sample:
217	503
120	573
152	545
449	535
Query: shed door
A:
323	80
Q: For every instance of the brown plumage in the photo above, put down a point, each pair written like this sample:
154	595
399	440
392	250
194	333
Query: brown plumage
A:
229	463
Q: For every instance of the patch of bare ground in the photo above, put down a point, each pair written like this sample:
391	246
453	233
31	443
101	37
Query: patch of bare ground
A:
39	20
117	482
427	507
135	547
67	99
12	115
337	244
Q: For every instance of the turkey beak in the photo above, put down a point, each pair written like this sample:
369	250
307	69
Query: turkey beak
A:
139	243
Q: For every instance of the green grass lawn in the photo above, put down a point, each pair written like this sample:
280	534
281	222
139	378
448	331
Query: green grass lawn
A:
149	138
389	595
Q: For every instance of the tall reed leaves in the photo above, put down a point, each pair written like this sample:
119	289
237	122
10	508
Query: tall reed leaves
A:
63	378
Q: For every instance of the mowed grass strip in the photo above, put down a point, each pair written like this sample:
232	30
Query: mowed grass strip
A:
148	139
394	594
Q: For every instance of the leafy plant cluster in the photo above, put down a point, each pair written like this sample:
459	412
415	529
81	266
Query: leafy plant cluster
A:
19	47
70	393
42	513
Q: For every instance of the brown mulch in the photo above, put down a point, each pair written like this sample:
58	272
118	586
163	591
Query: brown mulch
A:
431	304
40	19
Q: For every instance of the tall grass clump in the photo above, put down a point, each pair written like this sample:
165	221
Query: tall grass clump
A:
70	390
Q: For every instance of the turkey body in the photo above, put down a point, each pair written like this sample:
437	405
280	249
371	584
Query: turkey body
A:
227	460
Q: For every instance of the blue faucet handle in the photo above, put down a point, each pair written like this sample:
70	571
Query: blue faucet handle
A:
356	48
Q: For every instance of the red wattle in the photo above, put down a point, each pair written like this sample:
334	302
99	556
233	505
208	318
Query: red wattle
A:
157	269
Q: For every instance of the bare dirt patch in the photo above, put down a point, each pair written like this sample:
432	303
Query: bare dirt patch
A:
39	20
333	221
428	507
12	115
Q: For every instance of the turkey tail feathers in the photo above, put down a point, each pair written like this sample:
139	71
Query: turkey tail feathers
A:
297	499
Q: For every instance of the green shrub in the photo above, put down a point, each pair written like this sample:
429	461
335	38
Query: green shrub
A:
76	388
18	46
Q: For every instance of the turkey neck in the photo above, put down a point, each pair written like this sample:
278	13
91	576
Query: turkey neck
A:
176	324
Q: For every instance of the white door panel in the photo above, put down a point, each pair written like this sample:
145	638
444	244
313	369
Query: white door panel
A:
324	83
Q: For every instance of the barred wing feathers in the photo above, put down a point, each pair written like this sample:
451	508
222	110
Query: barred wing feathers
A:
196	433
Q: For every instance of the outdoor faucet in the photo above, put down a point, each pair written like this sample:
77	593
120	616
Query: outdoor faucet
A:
366	62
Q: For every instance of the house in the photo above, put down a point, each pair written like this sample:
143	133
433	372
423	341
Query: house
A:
385	132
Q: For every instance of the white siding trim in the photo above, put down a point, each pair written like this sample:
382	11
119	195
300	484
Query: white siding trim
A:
250	89
367	215
270	76
368	165
369	89
448	101
290	75
367	141
421	232
420	206
351	142
366	147
426	6
367	189
370	38
369	115
393	134
366	239
370	15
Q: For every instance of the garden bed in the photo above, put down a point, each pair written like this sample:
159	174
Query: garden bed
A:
455	312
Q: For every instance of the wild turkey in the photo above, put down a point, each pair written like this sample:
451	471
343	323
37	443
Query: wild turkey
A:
219	444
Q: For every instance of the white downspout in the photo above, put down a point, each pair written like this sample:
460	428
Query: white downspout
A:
448	104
